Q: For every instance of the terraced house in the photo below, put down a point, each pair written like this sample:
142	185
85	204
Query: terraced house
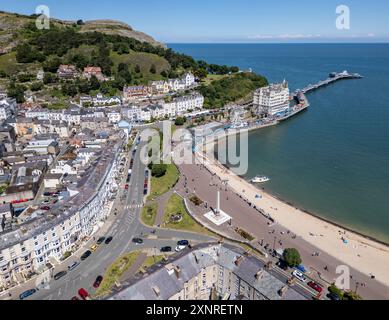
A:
41	238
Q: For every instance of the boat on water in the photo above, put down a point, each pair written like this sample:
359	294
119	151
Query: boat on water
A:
260	179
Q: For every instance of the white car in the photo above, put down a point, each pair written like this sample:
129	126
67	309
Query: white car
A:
297	274
180	248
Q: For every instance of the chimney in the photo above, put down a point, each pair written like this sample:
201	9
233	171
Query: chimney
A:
156	291
238	260
177	271
259	275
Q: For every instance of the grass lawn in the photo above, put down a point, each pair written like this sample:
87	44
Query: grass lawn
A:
150	261
115	271
161	185
176	205
149	214
213	77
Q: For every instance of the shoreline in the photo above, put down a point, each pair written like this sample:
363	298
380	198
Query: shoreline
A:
364	253
286	202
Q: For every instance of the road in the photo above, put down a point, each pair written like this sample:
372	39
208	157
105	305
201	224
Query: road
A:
125	226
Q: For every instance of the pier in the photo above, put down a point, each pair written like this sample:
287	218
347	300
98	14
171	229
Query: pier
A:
334	77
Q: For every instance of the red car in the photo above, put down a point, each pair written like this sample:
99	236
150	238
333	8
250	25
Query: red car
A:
126	187
46	208
83	294
75	298
97	282
315	286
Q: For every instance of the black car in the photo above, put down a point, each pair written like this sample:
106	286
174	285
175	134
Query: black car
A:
59	275
137	240
86	255
183	243
108	240
333	296
166	249
97	282
100	240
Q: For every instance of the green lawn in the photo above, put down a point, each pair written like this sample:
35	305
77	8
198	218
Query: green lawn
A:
176	205
149	214
161	185
115	271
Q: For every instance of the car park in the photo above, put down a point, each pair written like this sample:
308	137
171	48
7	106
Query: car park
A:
73	265
86	255
108	240
26	294
299	275
59	275
97	282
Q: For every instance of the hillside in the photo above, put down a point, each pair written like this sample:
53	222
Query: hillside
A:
125	57
12	23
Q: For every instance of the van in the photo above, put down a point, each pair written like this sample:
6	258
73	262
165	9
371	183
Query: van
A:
73	265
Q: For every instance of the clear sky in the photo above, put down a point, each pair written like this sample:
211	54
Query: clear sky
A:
228	20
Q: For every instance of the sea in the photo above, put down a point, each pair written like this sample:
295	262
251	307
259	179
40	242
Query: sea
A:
333	159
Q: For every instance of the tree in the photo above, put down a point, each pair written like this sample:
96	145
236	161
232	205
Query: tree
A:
201	73
94	83
292	257
52	64
49	78
17	92
80	22
153	69
137	68
158	170
180	121
36	86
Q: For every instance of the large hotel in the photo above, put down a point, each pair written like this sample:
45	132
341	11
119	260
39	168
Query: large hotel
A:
272	100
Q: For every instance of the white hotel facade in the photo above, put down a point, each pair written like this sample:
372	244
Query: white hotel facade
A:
271	100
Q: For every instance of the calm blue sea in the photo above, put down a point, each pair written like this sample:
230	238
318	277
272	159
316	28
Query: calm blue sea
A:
332	160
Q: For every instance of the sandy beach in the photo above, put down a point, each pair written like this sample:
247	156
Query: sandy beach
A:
361	253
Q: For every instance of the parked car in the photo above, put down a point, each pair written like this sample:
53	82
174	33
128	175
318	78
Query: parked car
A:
83	294
333	296
97	282
180	248
282	265
46	208
108	240
86	255
126	187
94	247
137	240
26	294
315	286
166	249
73	265
59	275
183	243
74	298
299	275
100	240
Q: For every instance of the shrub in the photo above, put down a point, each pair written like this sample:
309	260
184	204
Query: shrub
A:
292	257
158	170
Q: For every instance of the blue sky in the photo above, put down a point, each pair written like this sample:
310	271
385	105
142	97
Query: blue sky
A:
228	20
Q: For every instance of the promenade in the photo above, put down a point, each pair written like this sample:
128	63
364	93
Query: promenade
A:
206	184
